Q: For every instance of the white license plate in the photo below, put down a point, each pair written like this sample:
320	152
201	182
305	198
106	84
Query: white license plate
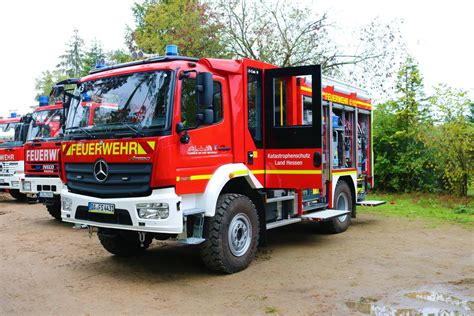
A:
101	208
46	194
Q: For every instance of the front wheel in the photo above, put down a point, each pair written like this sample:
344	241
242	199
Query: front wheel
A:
16	194
343	202
122	243
232	235
55	209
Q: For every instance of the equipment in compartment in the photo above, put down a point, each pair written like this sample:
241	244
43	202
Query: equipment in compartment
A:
342	139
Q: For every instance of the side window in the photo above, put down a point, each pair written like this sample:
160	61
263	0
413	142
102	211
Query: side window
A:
254	105
191	114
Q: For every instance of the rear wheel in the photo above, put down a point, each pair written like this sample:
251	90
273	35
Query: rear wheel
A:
16	194
123	243
55	209
232	235
343	202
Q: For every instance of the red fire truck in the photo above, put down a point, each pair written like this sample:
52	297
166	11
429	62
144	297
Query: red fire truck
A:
214	152
41	181
14	131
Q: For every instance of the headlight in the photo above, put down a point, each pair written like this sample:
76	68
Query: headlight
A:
15	184
26	185
67	203
153	210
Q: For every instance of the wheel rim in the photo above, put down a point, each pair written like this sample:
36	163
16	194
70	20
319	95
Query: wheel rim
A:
240	234
342	204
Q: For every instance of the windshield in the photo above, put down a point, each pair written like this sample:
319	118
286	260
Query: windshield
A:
136	102
46	124
7	132
19	133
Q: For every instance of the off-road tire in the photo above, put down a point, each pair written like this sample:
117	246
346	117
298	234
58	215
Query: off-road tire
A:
216	253
55	210
122	243
16	194
335	225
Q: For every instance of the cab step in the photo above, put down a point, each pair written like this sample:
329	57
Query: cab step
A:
324	215
283	222
370	203
193	211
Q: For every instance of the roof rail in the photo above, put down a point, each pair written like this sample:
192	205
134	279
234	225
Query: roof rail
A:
144	61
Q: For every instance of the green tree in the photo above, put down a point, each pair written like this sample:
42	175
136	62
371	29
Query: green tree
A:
403	162
45	82
190	24
451	139
92	56
72	61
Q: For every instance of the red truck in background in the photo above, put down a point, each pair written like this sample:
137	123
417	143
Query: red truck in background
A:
41	182
12	154
214	152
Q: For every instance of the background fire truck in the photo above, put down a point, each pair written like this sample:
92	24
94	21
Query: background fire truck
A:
214	152
12	154
41	181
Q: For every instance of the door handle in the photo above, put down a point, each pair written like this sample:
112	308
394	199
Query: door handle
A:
224	149
317	160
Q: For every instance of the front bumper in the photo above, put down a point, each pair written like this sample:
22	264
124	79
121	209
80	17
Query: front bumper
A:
173	224
37	185
11	182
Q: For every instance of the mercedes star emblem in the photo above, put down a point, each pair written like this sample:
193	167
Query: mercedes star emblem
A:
101	170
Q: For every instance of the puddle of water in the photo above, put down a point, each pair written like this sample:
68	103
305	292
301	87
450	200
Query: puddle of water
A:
371	306
381	310
442	298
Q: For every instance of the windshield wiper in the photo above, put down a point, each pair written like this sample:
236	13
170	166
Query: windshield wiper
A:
133	129
83	130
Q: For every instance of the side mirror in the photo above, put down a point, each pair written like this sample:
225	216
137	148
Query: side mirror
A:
204	89
179	128
57	90
184	137
208	116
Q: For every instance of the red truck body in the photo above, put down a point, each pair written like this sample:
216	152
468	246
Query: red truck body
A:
296	145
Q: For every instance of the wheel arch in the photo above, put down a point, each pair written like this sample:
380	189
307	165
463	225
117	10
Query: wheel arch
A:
351	182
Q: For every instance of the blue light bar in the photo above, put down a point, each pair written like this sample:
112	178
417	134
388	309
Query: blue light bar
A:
43	100
171	50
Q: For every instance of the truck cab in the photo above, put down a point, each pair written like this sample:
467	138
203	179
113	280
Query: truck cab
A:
14	133
213	152
41	180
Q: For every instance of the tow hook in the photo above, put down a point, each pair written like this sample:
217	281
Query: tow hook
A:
141	238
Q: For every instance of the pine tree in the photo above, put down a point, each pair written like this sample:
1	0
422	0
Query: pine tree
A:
72	61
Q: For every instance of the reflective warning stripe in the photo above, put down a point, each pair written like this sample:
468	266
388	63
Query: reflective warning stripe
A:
344	173
273	171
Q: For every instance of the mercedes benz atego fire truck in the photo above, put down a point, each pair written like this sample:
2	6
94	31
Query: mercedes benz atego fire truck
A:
213	152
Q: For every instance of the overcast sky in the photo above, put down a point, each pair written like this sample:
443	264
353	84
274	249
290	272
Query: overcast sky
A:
34	33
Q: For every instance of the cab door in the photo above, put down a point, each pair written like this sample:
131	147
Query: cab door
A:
208	145
293	127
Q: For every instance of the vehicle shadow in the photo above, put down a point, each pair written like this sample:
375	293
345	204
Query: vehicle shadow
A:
172	261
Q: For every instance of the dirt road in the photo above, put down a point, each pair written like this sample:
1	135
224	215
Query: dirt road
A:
380	265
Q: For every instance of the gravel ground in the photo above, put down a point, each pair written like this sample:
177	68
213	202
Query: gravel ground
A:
381	265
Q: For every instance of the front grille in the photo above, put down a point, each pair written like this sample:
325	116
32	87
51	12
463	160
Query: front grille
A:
46	170
8	168
124	180
120	216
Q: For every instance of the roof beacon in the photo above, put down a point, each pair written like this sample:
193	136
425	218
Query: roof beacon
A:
171	50
43	100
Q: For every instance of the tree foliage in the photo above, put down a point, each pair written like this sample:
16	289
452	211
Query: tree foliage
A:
189	24
72	61
403	162
451	138
423	144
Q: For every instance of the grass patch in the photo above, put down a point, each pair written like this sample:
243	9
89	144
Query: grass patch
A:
439	208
